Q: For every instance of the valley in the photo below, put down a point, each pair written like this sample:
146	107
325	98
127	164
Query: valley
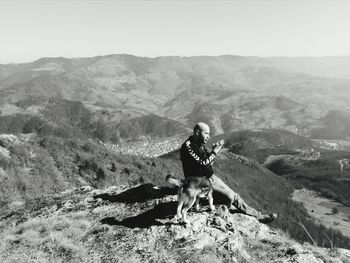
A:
325	211
148	147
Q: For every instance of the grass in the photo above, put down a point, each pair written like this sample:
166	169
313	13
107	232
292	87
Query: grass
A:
54	239
78	236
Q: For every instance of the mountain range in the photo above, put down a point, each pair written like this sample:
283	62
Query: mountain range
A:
230	93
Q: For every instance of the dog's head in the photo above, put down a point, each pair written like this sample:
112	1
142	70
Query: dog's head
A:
204	192
205	186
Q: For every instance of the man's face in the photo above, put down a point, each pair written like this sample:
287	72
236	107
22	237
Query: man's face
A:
204	134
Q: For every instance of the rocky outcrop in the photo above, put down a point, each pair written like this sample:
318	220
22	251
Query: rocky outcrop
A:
138	225
6	140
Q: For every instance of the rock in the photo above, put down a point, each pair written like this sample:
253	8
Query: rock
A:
88	202
222	211
68	206
4	153
219	222
6	140
199	221
2	174
236	245
86	188
203	240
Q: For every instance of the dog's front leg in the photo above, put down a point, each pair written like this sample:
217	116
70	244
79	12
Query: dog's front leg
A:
179	208
211	201
186	208
197	204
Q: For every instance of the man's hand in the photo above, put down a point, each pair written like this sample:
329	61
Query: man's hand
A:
217	146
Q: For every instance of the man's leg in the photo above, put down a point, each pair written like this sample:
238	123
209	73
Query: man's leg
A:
235	199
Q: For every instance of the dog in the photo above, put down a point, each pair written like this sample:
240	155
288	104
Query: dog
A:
190	190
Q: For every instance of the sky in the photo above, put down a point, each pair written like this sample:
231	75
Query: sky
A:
32	29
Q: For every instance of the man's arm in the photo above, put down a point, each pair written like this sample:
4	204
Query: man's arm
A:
191	151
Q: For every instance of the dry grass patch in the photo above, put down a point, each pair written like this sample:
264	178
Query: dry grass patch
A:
55	239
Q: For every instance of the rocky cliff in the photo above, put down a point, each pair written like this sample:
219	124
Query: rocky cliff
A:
137	224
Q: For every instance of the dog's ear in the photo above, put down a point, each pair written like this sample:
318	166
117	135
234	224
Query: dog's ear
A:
168	176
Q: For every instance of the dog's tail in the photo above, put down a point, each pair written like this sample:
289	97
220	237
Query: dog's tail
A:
171	179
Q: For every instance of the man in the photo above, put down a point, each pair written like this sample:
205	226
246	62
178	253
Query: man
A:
197	161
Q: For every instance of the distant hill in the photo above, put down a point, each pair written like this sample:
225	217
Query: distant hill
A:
35	165
228	92
261	144
151	125
336	124
66	118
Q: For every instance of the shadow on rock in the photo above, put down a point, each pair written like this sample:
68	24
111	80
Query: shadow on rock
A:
140	193
220	199
146	219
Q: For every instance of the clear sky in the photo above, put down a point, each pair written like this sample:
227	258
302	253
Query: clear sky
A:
33	29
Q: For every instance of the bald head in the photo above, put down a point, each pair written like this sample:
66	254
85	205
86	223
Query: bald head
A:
201	133
200	126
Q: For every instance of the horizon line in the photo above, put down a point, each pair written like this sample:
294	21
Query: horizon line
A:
178	56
